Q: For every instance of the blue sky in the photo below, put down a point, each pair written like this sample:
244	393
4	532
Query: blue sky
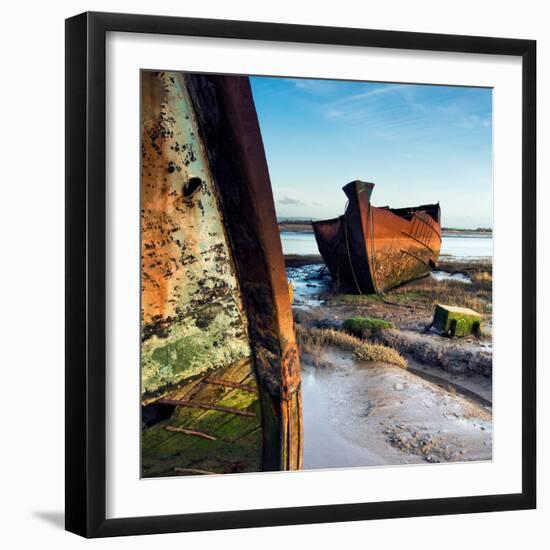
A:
417	143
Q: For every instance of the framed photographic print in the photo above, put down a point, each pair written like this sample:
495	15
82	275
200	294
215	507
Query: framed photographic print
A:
300	274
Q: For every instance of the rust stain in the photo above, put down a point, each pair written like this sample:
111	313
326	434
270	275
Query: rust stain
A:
227	118
193	317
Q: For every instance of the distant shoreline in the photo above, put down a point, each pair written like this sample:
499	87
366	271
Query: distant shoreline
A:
302	227
305	227
445	263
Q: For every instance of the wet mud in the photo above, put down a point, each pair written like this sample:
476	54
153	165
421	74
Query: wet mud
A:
368	414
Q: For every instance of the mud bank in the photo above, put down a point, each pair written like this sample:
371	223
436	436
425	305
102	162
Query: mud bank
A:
366	413
317	303
451	355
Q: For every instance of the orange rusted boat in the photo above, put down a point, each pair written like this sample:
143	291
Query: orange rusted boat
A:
373	249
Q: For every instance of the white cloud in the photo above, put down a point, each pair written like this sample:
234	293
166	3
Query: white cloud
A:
291	202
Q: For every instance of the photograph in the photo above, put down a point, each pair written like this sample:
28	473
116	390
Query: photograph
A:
279	275
316	274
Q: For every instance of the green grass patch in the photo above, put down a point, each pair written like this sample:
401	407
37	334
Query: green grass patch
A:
404	296
362	326
353	299
398	296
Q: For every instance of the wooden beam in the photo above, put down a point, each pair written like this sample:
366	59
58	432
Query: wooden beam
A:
230	384
207	406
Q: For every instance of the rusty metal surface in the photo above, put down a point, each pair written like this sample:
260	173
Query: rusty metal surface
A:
214	287
371	249
228	122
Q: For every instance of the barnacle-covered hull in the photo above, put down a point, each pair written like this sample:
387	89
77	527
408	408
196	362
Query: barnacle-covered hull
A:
373	249
220	373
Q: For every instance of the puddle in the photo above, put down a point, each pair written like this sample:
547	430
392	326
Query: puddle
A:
445	276
309	283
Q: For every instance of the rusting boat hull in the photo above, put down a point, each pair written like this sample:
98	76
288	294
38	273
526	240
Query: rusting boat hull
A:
220	373
373	249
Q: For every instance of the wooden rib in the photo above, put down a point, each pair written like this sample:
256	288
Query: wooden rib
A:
190	432
230	393
228	383
196	387
207	406
229	419
418	241
195	471
415	257
199	391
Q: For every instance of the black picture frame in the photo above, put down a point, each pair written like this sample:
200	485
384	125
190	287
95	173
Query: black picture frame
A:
86	278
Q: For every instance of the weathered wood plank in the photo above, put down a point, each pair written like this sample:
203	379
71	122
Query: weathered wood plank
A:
229	384
199	405
158	441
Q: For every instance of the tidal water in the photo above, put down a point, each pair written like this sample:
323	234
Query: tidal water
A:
455	246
